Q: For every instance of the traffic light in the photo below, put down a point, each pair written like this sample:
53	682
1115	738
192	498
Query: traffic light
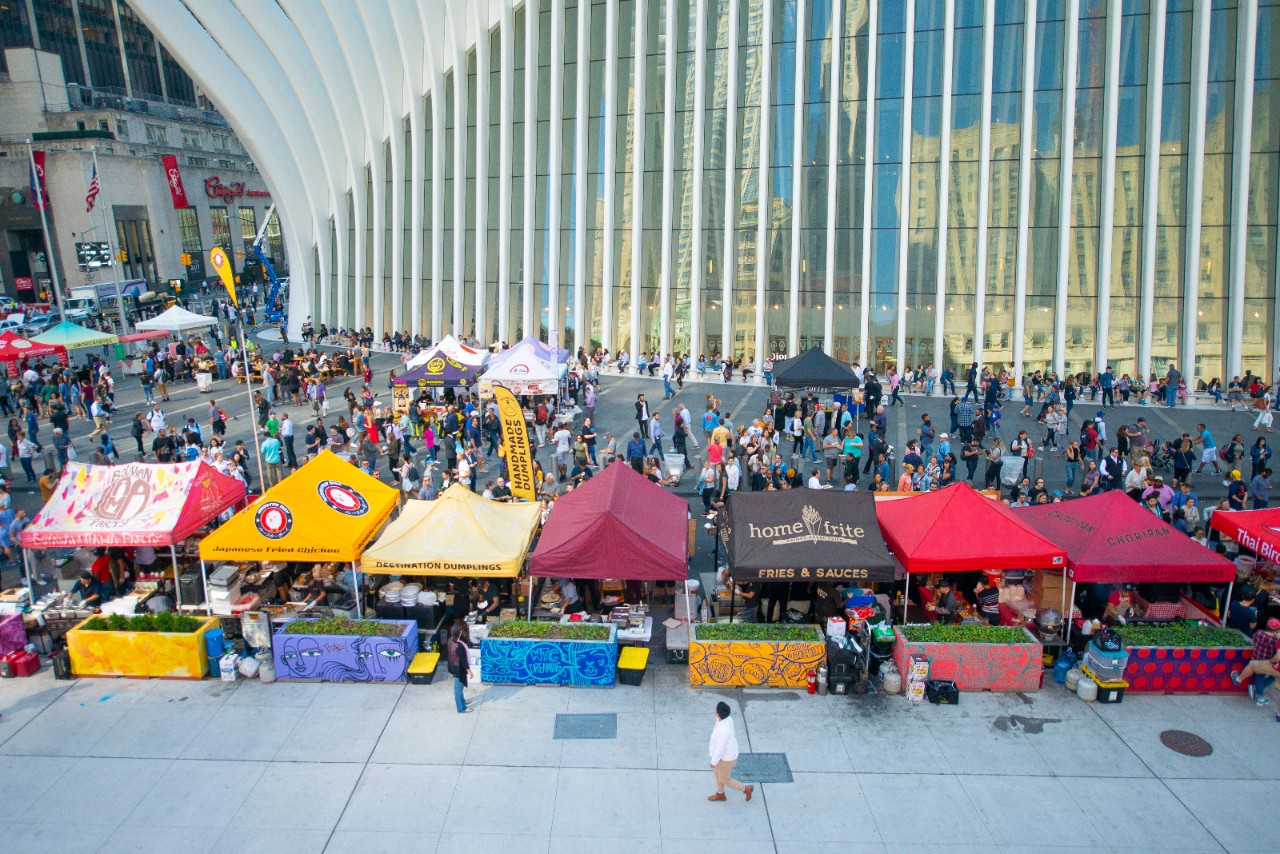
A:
122	257
239	253
177	288
186	259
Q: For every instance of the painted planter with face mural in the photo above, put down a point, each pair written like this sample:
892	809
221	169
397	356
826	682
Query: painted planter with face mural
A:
304	657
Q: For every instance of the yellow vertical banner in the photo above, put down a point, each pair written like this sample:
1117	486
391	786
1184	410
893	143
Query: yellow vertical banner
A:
515	439
222	266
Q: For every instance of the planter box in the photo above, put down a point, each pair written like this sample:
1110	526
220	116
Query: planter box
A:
977	666
169	655
1191	670
13	634
754	664
345	658
539	661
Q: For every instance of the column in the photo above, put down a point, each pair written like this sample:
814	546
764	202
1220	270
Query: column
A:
798	168
868	176
1195	185
762	220
505	129
833	154
459	186
944	182
1246	39
482	184
555	317
984	181
610	164
668	178
581	335
698	262
530	165
728	269
1151	185
1106	220
1070	72
904	183
637	174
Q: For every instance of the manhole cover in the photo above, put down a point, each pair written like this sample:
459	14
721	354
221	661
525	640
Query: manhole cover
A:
762	768
1186	743
586	726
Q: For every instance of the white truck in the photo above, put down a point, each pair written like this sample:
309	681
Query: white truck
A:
89	301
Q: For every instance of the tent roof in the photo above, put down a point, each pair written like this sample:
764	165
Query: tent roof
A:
616	525
14	347
74	337
543	351
957	529
816	370
452	347
142	336
135	504
458	534
439	371
524	366
328	510
805	535
176	319
1256	530
1111	538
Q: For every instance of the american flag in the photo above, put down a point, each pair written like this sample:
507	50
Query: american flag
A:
91	197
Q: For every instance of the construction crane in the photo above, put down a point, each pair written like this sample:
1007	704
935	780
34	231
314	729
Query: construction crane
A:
274	313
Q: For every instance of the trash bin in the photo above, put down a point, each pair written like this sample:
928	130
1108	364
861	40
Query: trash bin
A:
673	465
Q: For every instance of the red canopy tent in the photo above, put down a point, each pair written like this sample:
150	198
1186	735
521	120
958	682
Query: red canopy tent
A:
957	529
143	336
619	524
1256	530
14	348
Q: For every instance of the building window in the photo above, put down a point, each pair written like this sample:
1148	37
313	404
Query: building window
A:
221	227
122	128
197	161
248	226
157	134
189	234
220	143
191	138
275	244
134	236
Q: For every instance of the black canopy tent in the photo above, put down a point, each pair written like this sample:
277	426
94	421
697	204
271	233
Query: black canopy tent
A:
804	535
815	370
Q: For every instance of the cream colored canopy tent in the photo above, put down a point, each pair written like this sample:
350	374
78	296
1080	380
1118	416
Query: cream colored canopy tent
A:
458	534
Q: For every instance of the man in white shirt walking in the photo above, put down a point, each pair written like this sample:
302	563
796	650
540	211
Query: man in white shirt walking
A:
724	754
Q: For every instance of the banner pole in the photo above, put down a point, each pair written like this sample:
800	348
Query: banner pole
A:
106	224
42	205
177	587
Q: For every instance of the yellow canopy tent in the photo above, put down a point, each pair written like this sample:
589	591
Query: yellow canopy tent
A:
458	534
327	510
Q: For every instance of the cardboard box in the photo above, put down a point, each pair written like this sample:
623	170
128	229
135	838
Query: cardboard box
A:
919	669
915	692
228	667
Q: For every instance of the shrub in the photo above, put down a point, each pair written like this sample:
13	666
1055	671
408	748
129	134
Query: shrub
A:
945	633
344	626
757	632
549	631
1182	634
163	622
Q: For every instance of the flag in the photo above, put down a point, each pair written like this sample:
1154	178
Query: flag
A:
91	197
515	442
39	190
222	266
173	177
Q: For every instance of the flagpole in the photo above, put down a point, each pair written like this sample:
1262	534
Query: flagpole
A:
42	204
106	222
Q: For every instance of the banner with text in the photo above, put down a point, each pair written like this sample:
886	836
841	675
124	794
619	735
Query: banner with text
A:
173	177
515	440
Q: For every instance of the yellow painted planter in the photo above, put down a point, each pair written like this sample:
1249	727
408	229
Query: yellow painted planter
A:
753	664
169	655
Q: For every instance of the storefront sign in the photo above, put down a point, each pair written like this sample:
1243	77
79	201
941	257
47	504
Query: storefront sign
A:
173	177
215	189
24	283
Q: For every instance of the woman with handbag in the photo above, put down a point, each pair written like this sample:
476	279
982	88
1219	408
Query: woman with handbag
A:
459	663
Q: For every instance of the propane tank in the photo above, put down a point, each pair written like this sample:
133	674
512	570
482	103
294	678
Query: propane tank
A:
813	681
266	666
890	680
1073	678
822	679
1087	689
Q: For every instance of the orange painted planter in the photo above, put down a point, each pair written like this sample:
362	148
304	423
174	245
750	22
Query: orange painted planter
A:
169	655
753	664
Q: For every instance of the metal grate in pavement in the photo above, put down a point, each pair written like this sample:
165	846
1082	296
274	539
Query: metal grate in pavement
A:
1186	743
762	768
586	726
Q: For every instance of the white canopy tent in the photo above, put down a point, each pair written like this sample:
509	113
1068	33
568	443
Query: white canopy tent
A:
523	373
454	349
176	319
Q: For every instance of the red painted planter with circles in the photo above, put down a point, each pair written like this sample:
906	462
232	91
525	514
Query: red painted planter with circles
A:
1185	670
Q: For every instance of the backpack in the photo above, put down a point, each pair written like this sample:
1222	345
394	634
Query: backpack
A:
541	416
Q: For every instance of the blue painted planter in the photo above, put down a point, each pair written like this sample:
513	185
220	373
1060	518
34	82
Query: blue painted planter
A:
345	658
527	661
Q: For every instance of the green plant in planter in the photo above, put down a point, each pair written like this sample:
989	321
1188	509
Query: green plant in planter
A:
162	622
757	632
344	626
945	633
1181	634
549	631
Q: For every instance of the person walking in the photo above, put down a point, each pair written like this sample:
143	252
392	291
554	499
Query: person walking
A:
459	663
642	415
724	754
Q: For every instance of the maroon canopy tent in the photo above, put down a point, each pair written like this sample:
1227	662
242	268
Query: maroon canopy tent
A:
1111	538
620	525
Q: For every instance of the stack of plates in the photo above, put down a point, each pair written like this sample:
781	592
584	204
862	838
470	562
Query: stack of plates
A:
409	594
391	592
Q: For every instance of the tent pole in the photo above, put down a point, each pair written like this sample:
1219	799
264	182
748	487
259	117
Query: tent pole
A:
906	600
1065	615
204	578
355	582
177	588
688	614
26	565
1067	639
1226	603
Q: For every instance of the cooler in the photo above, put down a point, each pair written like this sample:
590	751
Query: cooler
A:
422	670
632	661
1108	692
1106	666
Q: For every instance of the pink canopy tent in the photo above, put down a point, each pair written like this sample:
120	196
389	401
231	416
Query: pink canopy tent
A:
135	504
616	525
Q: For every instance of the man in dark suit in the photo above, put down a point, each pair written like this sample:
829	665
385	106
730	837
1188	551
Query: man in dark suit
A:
642	415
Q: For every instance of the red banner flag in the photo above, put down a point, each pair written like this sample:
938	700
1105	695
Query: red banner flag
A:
174	177
39	190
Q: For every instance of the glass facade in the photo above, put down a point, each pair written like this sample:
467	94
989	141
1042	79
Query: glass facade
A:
1032	184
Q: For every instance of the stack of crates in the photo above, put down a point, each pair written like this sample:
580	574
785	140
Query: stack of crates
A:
1107	669
917	676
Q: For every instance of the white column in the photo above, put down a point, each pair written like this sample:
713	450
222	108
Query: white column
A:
506	125
798	167
904	182
1246	36
481	143
697	265
1106	219
1067	137
1151	185
1195	186
530	167
1024	187
668	180
581	335
437	206
868	175
762	182
833	154
637	173
728	262
460	143
944	181
555	317
609	276
984	181
398	168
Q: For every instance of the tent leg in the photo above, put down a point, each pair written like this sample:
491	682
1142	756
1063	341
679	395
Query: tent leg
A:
905	601
688	614
1065	617
355	581
529	598
26	566
1225	606
204	578
177	588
